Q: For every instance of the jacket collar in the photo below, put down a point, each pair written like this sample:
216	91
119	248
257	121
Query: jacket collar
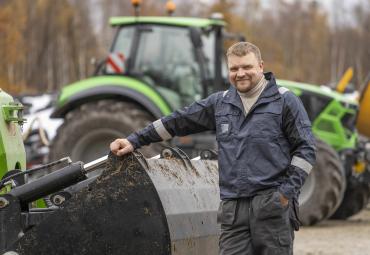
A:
270	93
271	89
232	97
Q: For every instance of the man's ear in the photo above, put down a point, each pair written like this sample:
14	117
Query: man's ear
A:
261	65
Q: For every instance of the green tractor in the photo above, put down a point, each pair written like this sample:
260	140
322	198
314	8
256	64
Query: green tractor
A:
159	64
168	63
339	185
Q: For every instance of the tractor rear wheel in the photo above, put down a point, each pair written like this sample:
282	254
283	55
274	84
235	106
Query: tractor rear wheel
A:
356	198
324	188
88	130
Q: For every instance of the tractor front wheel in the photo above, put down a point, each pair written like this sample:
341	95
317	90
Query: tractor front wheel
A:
88	130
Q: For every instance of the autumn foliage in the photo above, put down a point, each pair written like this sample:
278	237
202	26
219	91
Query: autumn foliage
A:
46	44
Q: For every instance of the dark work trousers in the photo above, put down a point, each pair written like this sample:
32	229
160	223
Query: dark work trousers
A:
258	225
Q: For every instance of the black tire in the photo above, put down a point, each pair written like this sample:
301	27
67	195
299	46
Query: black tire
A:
356	198
88	130
324	188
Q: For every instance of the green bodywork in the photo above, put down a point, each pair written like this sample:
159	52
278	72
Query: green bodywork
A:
12	152
327	125
123	81
172	21
297	87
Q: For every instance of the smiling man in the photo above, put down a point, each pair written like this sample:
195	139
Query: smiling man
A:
245	69
265	152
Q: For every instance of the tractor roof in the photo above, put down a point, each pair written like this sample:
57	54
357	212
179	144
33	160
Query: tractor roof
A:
174	21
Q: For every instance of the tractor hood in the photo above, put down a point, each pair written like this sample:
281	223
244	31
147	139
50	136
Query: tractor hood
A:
297	87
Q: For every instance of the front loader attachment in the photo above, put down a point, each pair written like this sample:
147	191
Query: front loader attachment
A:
166	205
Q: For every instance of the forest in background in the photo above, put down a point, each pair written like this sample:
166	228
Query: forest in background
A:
46	44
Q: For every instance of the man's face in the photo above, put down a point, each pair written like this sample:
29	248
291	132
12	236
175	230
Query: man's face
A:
244	72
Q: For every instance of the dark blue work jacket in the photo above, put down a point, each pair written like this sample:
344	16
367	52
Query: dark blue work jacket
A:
270	147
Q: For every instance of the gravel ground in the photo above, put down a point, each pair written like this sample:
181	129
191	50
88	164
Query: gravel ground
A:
335	237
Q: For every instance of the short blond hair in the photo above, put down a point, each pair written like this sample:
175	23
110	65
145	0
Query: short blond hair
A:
241	49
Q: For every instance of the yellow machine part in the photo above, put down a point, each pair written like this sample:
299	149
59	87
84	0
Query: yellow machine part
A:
359	167
363	119
344	81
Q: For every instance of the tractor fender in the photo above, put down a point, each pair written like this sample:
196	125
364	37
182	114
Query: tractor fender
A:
110	92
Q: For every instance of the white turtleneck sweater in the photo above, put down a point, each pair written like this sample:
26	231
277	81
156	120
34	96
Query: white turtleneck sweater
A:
250	97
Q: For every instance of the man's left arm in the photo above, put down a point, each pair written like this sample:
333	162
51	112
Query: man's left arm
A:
297	129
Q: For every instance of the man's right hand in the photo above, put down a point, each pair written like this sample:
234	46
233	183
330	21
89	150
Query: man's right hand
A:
121	147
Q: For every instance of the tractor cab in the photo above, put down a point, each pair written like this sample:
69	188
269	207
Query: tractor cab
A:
182	58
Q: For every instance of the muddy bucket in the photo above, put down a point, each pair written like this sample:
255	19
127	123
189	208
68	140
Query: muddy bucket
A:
162	205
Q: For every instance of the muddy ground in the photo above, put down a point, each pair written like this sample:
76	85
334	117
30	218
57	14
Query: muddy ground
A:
334	237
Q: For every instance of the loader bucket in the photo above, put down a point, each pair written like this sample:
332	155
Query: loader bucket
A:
363	118
137	206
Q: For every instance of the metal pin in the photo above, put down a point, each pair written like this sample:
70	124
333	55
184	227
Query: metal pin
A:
91	166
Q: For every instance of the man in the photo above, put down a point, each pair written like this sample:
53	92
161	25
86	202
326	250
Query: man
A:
265	152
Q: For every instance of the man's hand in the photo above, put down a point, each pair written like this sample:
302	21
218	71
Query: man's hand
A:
121	147
283	200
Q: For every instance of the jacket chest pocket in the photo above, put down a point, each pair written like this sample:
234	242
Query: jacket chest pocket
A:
266	121
226	123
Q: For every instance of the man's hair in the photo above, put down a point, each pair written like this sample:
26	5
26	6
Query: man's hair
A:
241	49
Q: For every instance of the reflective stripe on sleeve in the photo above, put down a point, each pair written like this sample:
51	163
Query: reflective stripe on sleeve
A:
283	90
161	130
302	164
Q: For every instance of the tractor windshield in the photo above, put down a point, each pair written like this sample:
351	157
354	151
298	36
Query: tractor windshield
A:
209	49
163	57
208	39
124	40
209	43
